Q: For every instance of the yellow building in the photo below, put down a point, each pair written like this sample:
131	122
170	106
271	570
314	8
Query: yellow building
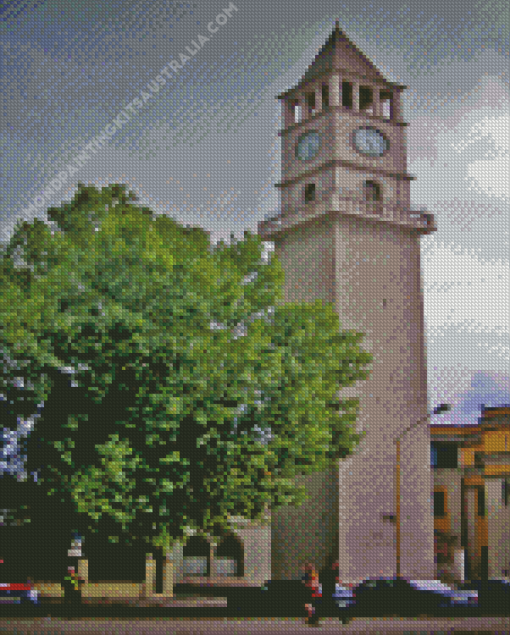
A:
471	467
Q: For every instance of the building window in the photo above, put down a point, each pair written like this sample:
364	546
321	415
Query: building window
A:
433	455
481	501
443	455
196	557
504	492
230	557
310	193
439	504
478	459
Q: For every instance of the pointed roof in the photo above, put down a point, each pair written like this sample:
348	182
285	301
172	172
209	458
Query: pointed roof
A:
340	54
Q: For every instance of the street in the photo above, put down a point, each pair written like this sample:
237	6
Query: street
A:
190	626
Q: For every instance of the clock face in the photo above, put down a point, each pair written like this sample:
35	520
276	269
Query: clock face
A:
370	142
307	146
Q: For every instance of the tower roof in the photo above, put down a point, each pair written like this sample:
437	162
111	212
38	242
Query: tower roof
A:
340	54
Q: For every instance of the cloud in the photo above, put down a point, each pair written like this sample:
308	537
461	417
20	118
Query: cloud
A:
484	389
460	154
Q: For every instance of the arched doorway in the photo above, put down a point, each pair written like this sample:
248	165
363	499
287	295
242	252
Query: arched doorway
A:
230	557
310	193
196	557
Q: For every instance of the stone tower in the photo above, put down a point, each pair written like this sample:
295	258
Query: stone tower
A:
345	233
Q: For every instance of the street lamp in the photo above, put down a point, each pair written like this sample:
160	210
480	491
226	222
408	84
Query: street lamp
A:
443	407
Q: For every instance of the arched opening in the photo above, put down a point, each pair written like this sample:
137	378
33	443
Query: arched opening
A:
196	557
371	192
309	192
230	557
310	103
366	100
325	96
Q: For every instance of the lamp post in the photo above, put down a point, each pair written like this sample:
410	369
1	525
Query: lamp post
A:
443	407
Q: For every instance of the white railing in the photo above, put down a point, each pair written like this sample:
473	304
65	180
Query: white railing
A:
390	213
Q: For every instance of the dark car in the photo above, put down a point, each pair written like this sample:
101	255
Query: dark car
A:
493	595
275	598
286	598
344	600
18	592
400	596
14	589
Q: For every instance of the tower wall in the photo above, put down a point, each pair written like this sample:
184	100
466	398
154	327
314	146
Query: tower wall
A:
308	532
371	271
307	257
378	292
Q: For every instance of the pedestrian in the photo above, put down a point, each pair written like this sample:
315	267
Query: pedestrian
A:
72	587
314	594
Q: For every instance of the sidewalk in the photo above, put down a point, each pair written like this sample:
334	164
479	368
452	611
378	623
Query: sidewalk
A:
148	626
156	600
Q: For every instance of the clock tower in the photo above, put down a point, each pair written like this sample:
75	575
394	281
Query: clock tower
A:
345	233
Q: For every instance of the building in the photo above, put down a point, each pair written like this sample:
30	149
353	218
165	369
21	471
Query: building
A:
471	466
346	234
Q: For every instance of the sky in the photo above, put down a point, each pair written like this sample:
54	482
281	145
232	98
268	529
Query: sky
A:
203	147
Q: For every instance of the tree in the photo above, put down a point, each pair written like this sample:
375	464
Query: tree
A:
30	513
177	419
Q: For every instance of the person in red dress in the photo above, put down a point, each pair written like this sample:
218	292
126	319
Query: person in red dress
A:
72	587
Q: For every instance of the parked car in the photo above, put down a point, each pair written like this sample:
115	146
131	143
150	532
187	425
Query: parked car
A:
14	589
17	592
344	599
400	596
337	595
493	595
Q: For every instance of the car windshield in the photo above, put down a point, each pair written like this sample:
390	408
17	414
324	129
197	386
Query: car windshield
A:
431	585
383	583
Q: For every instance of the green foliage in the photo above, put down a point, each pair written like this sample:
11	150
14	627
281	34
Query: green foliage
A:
163	430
